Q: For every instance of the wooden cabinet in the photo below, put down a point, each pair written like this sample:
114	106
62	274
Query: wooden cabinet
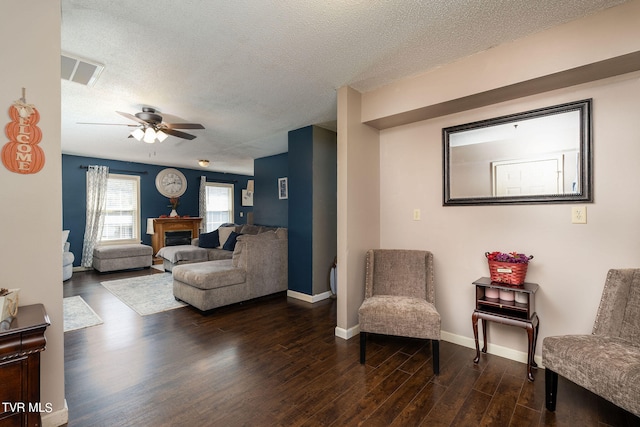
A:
163	225
516	309
21	342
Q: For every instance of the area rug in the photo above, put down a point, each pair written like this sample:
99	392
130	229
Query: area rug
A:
78	314
146	294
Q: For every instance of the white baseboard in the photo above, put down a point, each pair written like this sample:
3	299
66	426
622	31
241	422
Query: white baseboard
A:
309	298
498	350
345	334
57	418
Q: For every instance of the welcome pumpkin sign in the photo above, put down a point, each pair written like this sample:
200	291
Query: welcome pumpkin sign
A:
22	153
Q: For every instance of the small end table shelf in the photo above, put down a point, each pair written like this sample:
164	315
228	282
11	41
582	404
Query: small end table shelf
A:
21	341
513	313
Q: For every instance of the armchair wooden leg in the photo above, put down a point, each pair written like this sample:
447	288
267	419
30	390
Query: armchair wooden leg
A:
435	350
550	389
363	347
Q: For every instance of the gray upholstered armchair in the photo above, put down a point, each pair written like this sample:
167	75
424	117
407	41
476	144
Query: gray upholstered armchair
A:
607	362
399	298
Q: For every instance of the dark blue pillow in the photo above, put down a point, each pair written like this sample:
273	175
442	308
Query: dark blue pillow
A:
230	244
209	240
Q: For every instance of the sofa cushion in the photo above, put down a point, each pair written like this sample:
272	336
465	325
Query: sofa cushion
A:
240	253
180	253
210	274
224	233
230	244
209	240
249	229
217	254
412	317
269	235
607	366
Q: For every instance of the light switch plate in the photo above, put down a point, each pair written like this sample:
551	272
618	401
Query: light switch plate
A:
416	214
578	214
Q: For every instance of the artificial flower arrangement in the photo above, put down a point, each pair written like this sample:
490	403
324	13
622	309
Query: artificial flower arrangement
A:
174	202
513	257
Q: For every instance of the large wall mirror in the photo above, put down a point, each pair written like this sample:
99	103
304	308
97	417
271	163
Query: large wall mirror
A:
539	156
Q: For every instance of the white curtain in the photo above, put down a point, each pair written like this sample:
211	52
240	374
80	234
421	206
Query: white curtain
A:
202	204
97	178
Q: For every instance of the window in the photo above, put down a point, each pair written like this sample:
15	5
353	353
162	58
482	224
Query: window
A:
121	223
219	199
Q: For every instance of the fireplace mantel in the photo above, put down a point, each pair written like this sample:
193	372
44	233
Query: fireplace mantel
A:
162	225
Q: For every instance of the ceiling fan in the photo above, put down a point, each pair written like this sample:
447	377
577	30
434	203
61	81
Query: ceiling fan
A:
152	127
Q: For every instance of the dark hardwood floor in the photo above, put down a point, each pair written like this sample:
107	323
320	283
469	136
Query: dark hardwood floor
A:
276	362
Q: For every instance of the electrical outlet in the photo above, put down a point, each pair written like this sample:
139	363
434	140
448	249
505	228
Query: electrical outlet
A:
416	214
578	214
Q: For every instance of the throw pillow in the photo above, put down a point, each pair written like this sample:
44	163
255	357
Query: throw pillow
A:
224	233
209	240
65	236
230	244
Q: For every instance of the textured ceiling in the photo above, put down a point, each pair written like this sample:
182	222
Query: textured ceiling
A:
252	70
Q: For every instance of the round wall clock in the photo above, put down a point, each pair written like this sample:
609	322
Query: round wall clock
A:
171	182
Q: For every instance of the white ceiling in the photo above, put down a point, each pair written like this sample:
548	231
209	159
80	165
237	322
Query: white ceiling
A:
252	70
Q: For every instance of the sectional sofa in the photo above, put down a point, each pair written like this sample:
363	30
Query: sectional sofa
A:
258	266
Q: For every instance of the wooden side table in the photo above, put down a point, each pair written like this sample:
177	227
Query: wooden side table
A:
21	342
513	313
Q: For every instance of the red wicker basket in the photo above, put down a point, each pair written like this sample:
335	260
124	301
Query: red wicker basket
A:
510	273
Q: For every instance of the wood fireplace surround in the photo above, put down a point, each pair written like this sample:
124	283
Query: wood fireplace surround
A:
163	225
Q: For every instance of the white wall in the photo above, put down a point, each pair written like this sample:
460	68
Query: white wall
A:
32	204
570	261
358	206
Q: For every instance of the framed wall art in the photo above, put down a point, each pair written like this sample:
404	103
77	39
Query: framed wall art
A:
283	188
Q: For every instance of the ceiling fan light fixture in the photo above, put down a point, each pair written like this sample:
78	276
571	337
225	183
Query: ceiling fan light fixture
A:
149	136
204	163
161	136
138	134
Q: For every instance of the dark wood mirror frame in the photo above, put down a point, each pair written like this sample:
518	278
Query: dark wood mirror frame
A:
584	173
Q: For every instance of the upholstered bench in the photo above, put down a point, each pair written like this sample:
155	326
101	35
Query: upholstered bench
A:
121	257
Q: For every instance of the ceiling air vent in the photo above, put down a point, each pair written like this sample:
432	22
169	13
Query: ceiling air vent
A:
80	70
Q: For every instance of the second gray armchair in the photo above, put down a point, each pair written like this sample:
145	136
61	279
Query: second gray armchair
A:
400	298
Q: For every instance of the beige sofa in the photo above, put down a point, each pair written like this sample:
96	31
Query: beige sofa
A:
187	254
258	267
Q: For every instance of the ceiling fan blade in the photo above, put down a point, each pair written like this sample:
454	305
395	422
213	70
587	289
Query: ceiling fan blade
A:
179	134
107	124
132	117
183	126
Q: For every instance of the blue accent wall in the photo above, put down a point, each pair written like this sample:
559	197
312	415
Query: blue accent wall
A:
301	210
152	203
312	208
268	208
